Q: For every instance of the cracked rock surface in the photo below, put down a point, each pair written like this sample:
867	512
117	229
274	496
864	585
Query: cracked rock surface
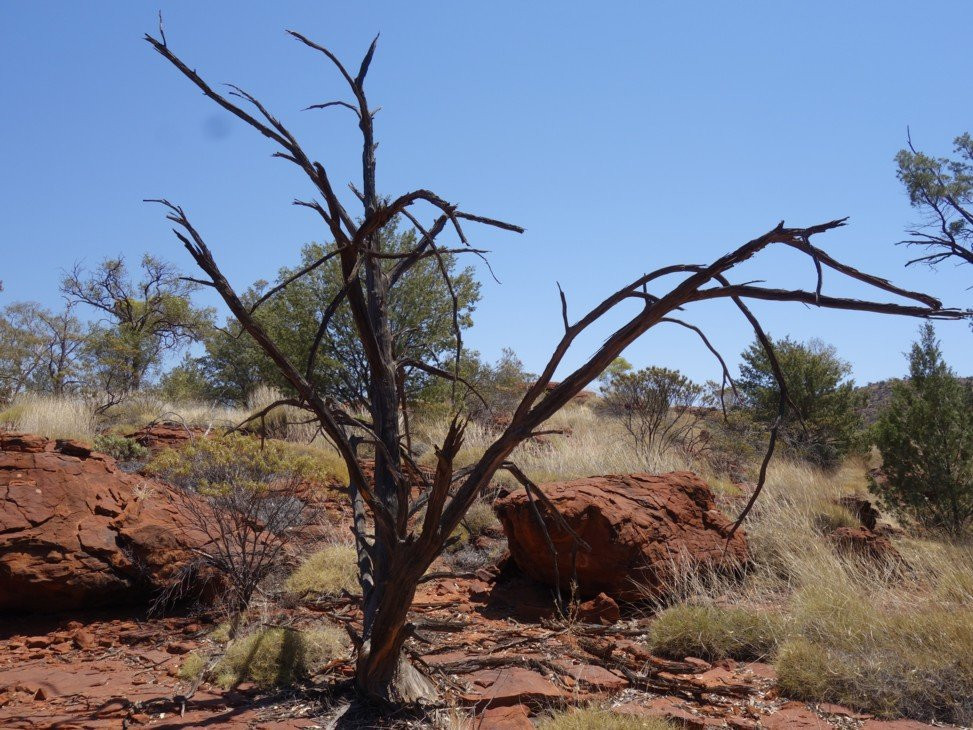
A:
76	531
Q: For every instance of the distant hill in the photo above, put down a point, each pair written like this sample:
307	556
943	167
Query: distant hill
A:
878	394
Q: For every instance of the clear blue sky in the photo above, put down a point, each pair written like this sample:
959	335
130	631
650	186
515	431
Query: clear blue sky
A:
623	136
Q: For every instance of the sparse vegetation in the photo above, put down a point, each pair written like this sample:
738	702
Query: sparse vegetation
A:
895	660
348	368
279	657
846	631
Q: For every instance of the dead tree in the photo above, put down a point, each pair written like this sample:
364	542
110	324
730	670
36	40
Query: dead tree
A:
398	537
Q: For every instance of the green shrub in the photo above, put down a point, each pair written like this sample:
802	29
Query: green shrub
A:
203	463
120	448
598	719
713	632
327	572
278	657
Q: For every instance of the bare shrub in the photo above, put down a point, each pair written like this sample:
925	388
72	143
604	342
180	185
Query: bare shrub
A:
659	407
247	526
246	501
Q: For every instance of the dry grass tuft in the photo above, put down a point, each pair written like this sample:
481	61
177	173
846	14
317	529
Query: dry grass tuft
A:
192	667
327	572
51	416
890	660
886	640
279	657
597	444
594	718
713	632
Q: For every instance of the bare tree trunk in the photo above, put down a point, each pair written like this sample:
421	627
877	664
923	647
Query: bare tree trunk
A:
383	672
394	554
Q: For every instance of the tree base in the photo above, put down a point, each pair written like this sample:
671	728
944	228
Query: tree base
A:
399	683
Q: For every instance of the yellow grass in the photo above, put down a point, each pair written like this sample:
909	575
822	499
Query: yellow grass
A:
595	445
279	657
883	639
594	718
51	416
327	572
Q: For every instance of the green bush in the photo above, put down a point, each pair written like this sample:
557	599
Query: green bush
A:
120	448
327	572
278	657
714	632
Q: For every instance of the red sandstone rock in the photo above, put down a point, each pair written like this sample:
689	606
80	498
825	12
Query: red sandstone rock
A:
593	677
862	508
601	609
165	435
514	717
77	532
863	543
794	716
510	686
639	527
82	639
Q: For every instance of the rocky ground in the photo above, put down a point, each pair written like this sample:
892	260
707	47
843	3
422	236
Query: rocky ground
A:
483	637
490	636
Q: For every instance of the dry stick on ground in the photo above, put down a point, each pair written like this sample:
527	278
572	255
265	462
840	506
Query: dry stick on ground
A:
395	551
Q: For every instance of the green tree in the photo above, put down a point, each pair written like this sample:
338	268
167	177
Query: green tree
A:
619	366
142	321
942	189
925	435
40	350
823	421
421	312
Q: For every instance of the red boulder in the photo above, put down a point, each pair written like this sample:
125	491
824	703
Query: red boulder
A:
77	532
640	529
166	434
